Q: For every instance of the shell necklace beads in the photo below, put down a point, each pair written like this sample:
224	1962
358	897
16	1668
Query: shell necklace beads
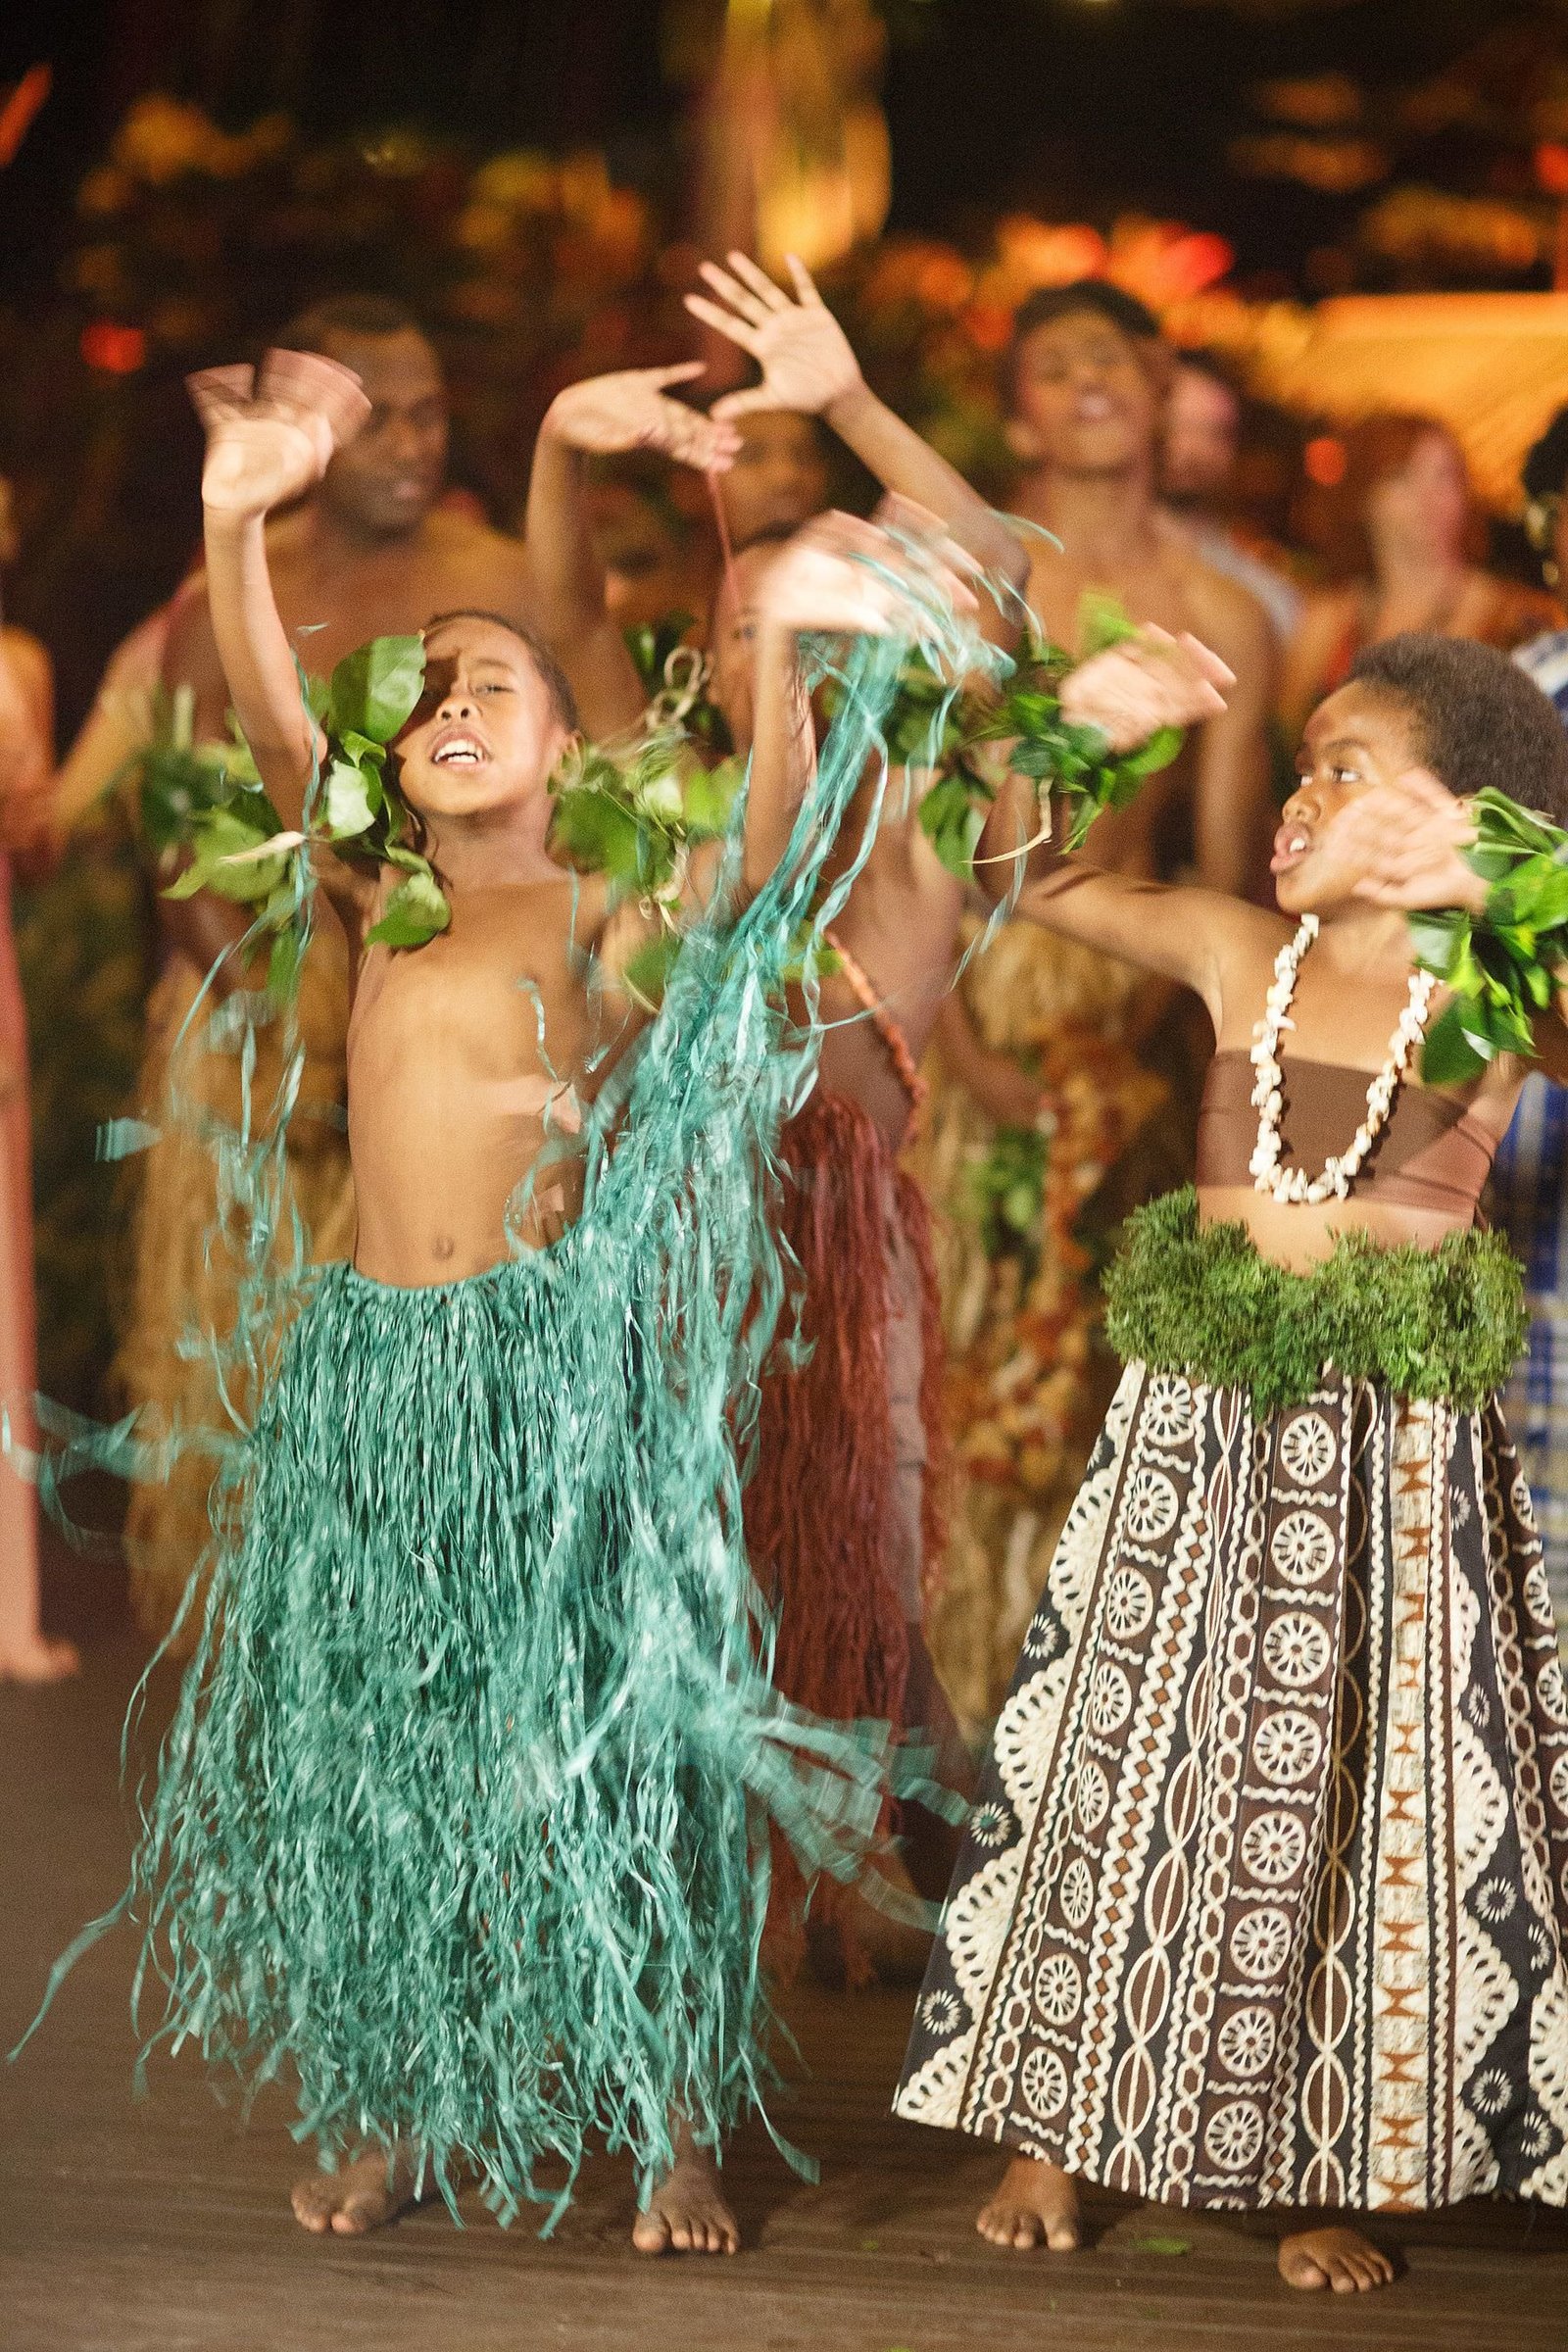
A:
1339	1171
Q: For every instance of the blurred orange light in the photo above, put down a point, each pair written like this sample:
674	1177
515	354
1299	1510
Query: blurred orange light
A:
1551	167
112	350
1324	460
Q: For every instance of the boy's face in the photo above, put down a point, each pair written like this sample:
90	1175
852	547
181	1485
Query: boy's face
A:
1086	397
386	481
778	480
485	735
1357	737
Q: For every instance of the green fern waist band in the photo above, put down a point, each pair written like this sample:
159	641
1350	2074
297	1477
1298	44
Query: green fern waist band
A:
1446	1322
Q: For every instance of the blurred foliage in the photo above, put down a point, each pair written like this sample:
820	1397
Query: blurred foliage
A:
80	945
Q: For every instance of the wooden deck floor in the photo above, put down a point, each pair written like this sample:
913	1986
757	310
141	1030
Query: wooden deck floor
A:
162	2226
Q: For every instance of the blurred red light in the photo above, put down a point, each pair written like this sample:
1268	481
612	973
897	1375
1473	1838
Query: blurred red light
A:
1324	460
112	350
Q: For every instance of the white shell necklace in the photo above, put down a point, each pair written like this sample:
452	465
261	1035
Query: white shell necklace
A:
1340	1170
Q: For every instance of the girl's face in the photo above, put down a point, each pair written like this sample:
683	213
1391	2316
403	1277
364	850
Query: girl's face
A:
1424	507
1357	737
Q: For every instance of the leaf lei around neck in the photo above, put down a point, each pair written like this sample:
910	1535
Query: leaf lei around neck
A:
1502	965
934	728
240	848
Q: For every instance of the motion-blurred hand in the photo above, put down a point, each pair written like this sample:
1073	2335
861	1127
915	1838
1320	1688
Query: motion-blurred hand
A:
1408	839
843	575
634	410
272	437
1147	682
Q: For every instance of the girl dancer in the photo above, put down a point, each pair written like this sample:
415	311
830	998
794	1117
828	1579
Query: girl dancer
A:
1265	1899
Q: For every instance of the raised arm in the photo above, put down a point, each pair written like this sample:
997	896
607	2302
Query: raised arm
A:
267	445
807	365
607	416
1233	804
1129	693
839	576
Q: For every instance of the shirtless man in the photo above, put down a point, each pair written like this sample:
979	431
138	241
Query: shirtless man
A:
373	548
1086	382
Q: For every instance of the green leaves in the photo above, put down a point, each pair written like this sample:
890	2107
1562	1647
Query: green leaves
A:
374	690
1063	760
415	912
352	799
636	820
1006	1194
953	817
226	841
1501	969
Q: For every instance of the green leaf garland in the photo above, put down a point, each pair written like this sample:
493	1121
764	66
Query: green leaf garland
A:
1500	967
933	727
207	799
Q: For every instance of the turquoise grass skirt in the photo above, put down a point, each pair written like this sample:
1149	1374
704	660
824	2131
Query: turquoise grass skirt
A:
462	1815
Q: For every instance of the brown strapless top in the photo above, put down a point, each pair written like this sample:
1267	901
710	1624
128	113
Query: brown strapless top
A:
1432	1154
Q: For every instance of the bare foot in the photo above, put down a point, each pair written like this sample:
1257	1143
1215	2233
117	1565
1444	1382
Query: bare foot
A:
1339	2258
1036	2204
38	1660
687	2213
362	2195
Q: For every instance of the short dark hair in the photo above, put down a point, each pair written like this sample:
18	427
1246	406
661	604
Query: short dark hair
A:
360	317
1478	718
1546	467
563	701
1047	304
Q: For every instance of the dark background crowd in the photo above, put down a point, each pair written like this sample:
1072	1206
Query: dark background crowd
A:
537	181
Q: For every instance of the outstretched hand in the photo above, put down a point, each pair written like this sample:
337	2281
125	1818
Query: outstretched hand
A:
270	435
634	410
800	346
843	576
1147	682
1408	839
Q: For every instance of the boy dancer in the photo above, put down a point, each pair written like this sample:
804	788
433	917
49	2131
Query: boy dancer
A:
842	1509
1265	1902
458	1814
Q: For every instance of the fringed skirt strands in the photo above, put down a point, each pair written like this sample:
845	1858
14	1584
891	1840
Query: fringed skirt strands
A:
459	1814
844	1506
1265	1900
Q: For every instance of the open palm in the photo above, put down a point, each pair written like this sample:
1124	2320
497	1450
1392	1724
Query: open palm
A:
800	346
634	410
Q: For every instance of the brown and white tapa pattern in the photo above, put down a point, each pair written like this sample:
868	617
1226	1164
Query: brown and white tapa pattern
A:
1266	1898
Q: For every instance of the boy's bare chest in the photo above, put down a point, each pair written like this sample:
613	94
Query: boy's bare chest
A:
504	992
